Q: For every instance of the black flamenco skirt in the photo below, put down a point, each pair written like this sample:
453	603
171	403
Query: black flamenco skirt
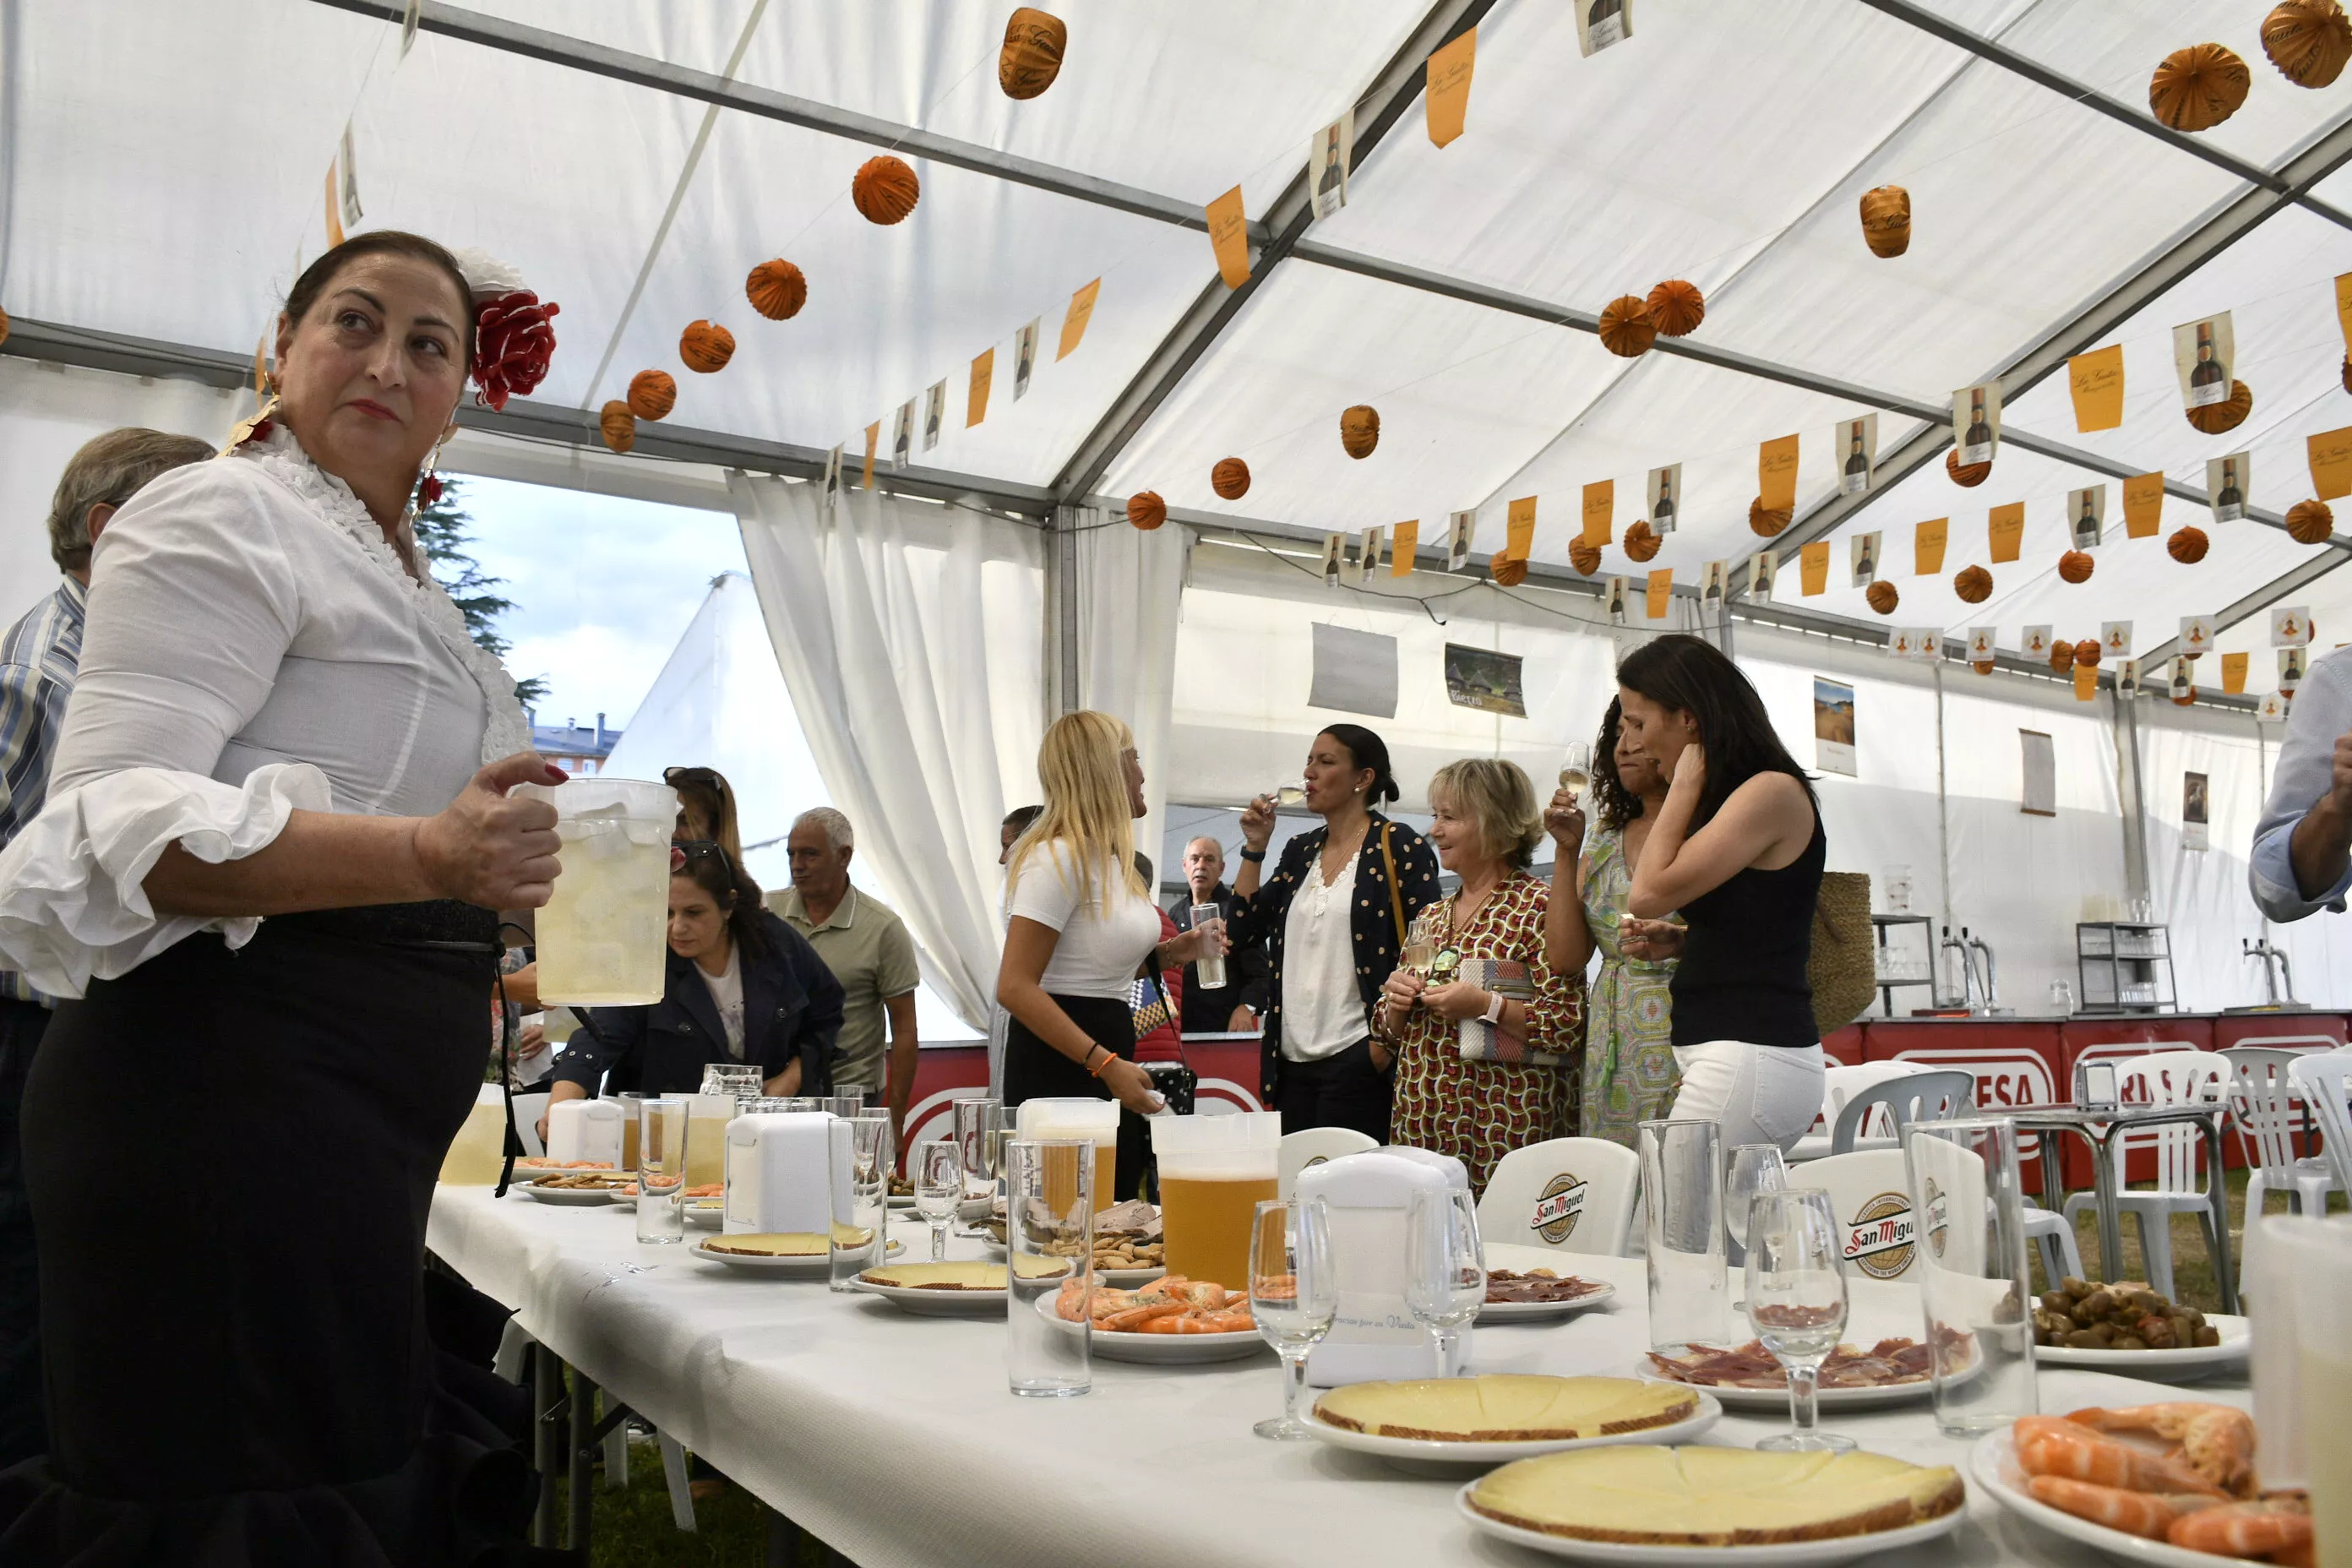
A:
1035	1071
231	1157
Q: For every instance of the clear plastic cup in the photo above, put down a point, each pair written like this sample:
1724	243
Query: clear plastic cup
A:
664	1140
1214	1172
1049	1237
1096	1121
1682	1180
1209	973
2323	1337
1968	1204
603	936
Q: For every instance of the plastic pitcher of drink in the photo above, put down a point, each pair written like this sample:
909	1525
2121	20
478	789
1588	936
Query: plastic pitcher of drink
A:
1214	1172
706	1137
478	1154
1097	1121
603	938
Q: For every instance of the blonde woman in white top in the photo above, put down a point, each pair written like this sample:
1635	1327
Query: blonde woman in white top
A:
1080	927
279	715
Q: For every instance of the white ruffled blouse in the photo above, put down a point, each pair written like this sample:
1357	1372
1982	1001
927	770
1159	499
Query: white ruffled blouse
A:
252	647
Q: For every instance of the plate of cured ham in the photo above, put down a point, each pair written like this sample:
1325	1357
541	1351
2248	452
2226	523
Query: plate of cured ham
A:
1747	1377
1514	1297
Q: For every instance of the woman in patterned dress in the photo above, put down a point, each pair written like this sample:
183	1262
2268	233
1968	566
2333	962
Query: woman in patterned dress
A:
1629	1054
1523	1091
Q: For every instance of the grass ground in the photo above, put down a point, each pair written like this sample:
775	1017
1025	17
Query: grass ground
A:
2192	1270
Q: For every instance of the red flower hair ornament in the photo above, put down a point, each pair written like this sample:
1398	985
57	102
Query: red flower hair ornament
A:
512	338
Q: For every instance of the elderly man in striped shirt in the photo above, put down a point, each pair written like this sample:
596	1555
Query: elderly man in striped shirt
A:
39	657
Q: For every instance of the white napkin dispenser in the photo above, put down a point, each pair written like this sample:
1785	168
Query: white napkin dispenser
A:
584	1129
778	1165
1375	1337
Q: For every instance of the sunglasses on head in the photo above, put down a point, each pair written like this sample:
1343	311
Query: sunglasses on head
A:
684	850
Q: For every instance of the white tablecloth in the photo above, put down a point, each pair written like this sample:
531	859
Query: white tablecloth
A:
894	1439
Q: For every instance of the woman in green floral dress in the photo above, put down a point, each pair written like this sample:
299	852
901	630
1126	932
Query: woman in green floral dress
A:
1629	1056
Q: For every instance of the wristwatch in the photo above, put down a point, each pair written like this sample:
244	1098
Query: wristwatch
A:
1253	856
1494	1012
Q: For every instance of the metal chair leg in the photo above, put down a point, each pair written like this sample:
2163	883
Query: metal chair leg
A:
681	1495
616	1457
784	1540
583	1464
546	1377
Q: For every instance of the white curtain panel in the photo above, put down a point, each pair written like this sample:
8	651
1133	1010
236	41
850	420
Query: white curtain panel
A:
907	636
1131	599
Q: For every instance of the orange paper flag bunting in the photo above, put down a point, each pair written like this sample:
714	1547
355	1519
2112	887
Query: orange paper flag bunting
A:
1661	592
2330	453
1229	237
1520	534
1600	513
2005	530
1813	564
1927	546
2143	505
2086	682
1405	538
2096	379
983	371
1073	321
873	440
1447	100
1776	474
2234	671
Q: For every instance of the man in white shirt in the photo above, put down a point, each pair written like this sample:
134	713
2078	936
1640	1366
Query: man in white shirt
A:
2302	860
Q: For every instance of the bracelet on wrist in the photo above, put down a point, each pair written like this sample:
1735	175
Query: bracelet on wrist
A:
1094	1068
1494	1012
1253	856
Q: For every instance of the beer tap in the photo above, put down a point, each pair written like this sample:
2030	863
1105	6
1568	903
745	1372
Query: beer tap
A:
1967	997
1991	991
2262	948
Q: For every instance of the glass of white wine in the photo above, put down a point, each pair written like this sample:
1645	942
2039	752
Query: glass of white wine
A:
1576	769
1293	794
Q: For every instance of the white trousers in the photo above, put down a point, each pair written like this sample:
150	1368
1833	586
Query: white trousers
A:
1757	1094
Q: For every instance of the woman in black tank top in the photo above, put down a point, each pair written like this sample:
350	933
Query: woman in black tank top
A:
1737	848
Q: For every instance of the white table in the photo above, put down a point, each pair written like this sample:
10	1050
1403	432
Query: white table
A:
894	1439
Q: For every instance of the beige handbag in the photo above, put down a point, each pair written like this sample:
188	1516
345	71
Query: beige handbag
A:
1843	967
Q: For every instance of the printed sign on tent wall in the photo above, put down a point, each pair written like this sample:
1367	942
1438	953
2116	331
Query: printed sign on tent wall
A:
2227	480
1485	679
2039	773
2196	810
2203	353
1833	726
1355	672
1857	450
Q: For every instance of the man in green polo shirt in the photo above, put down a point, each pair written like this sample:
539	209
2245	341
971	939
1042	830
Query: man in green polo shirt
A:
866	945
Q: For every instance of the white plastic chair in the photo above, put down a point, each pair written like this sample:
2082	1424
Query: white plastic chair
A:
2262	1102
1871	1192
528	1109
2166	1077
1839	1085
2324	1081
1312	1147
1570	1195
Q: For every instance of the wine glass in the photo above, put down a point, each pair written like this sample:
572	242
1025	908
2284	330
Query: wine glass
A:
1292	794
1444	1265
1294	1289
1796	1302
1755	1168
1576	769
937	1175
1418	957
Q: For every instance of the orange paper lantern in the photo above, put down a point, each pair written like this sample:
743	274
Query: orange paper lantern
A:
1883	597
706	347
1967	476
1031	56
884	189
2310	521
2197	87
1230	478
2216	417
1676	308
1973	584
2188	545
652	394
1509	571
2074	566
618	426
1765	520
2308	40
1146	509
1360	430
1887	220
777	290
1584	557
1626	330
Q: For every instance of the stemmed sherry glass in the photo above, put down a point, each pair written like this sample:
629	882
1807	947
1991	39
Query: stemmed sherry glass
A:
1294	1292
1755	1168
1576	768
1444	1265
1797	1302
937	1175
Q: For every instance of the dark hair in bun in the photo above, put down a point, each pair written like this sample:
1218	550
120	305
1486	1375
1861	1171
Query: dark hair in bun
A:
1368	751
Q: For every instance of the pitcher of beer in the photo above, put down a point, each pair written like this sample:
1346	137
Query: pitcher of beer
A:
604	937
1214	1172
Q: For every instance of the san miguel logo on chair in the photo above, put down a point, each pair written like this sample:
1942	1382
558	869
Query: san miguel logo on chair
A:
1879	1239
1559	1206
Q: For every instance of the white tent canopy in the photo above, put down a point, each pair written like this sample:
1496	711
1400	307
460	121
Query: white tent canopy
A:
160	181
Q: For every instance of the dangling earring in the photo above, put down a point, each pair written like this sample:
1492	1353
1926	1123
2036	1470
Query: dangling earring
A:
429	488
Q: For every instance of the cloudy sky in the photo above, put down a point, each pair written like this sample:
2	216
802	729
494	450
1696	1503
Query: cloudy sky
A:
602	587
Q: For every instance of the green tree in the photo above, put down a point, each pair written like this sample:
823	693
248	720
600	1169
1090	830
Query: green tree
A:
442	527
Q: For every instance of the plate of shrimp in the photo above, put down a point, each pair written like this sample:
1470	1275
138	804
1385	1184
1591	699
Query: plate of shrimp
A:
1170	1320
2171	1485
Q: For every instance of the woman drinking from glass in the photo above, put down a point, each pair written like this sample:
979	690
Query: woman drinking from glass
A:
1629	1054
1480	1072
1081	928
1737	848
1333	917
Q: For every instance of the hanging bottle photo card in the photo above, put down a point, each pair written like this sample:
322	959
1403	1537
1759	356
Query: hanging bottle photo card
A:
2202	354
2196	634
1976	420
1762	567
2096	381
2290	626
1927	546
1368	553
1613	600
1460	531
2087	515
2034	643
2127	679
1333	150
902	435
1334	551
1857	449
1863	555
1600	513
1665	498
1024	357
1601	22
2179	683
2226	481
935	408
2292	663
2143	506
1715	585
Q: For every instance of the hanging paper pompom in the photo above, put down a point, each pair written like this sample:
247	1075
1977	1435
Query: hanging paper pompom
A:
2310	521
2086	653
1640	541
1883	597
2188	545
2308	40
1584	557
2197	87
619	426
884	189
1973	584
1765	521
1230	478
1360	430
1509	571
706	347
777	290
1677	307
2216	417
1031	56
1146	509
1967	476
2061	655
1626	330
1887	220
652	394
2075	565
3	332
1982	667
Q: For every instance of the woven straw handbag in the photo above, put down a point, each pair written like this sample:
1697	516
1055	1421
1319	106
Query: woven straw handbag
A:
1843	967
